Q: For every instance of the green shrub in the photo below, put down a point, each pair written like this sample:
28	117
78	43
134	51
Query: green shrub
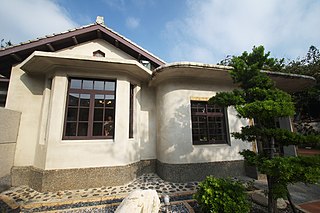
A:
218	195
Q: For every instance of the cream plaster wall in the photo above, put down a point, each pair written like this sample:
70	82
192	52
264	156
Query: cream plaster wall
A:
25	95
9	127
148	122
174	139
88	48
63	154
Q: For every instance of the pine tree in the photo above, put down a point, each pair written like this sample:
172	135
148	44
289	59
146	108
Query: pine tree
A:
260	100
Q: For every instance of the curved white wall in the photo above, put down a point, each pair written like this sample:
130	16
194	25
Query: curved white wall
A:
174	140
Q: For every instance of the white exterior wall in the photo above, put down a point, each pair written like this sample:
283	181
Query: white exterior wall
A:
148	122
174	140
87	49
25	95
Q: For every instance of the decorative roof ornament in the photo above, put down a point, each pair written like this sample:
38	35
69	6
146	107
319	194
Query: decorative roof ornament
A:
100	20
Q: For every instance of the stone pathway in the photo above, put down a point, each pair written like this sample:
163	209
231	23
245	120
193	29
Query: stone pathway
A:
24	196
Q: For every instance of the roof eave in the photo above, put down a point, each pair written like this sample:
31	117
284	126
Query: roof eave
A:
43	63
285	81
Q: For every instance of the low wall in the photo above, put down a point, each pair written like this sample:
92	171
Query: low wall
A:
65	179
199	171
9	126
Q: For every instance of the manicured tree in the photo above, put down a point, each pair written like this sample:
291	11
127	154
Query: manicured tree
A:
258	99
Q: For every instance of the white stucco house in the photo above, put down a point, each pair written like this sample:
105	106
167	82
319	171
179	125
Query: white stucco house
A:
97	109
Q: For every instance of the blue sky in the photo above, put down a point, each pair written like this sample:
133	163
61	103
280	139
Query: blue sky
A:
177	30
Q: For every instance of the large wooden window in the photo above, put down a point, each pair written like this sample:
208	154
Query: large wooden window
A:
90	109
208	123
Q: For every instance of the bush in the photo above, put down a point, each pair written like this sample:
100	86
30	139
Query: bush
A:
218	195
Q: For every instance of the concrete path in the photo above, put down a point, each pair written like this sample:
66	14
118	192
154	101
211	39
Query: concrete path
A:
305	196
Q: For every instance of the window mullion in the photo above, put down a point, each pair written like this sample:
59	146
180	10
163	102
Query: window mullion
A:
78	115
91	114
207	124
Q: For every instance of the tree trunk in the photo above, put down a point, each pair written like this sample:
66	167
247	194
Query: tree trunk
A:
272	203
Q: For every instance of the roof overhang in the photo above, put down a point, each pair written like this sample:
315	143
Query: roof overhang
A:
42	63
218	73
196	71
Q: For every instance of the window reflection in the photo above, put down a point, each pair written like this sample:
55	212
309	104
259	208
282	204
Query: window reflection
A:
75	84
87	84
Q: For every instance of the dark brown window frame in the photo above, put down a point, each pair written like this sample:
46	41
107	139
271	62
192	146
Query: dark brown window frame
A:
91	108
222	114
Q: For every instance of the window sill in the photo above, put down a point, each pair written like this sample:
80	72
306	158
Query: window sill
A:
210	144
89	141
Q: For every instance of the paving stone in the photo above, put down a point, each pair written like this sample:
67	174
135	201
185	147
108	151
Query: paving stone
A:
25	195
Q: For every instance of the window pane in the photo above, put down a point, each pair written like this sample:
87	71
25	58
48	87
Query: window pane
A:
110	86
75	84
84	114
99	100
109	126
98	115
110	103
108	113
71	129
97	129
85	100
82	129
211	108
72	114
109	97
73	99
99	85
87	84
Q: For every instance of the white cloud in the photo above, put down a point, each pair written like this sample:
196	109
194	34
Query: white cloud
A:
132	22
21	20
116	4
213	29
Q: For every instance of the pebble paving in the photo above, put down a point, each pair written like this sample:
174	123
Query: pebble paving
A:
23	195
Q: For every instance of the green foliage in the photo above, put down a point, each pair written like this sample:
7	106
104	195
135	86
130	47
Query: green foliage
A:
226	99
266	109
282	136
218	195
286	170
261	101
308	101
248	66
